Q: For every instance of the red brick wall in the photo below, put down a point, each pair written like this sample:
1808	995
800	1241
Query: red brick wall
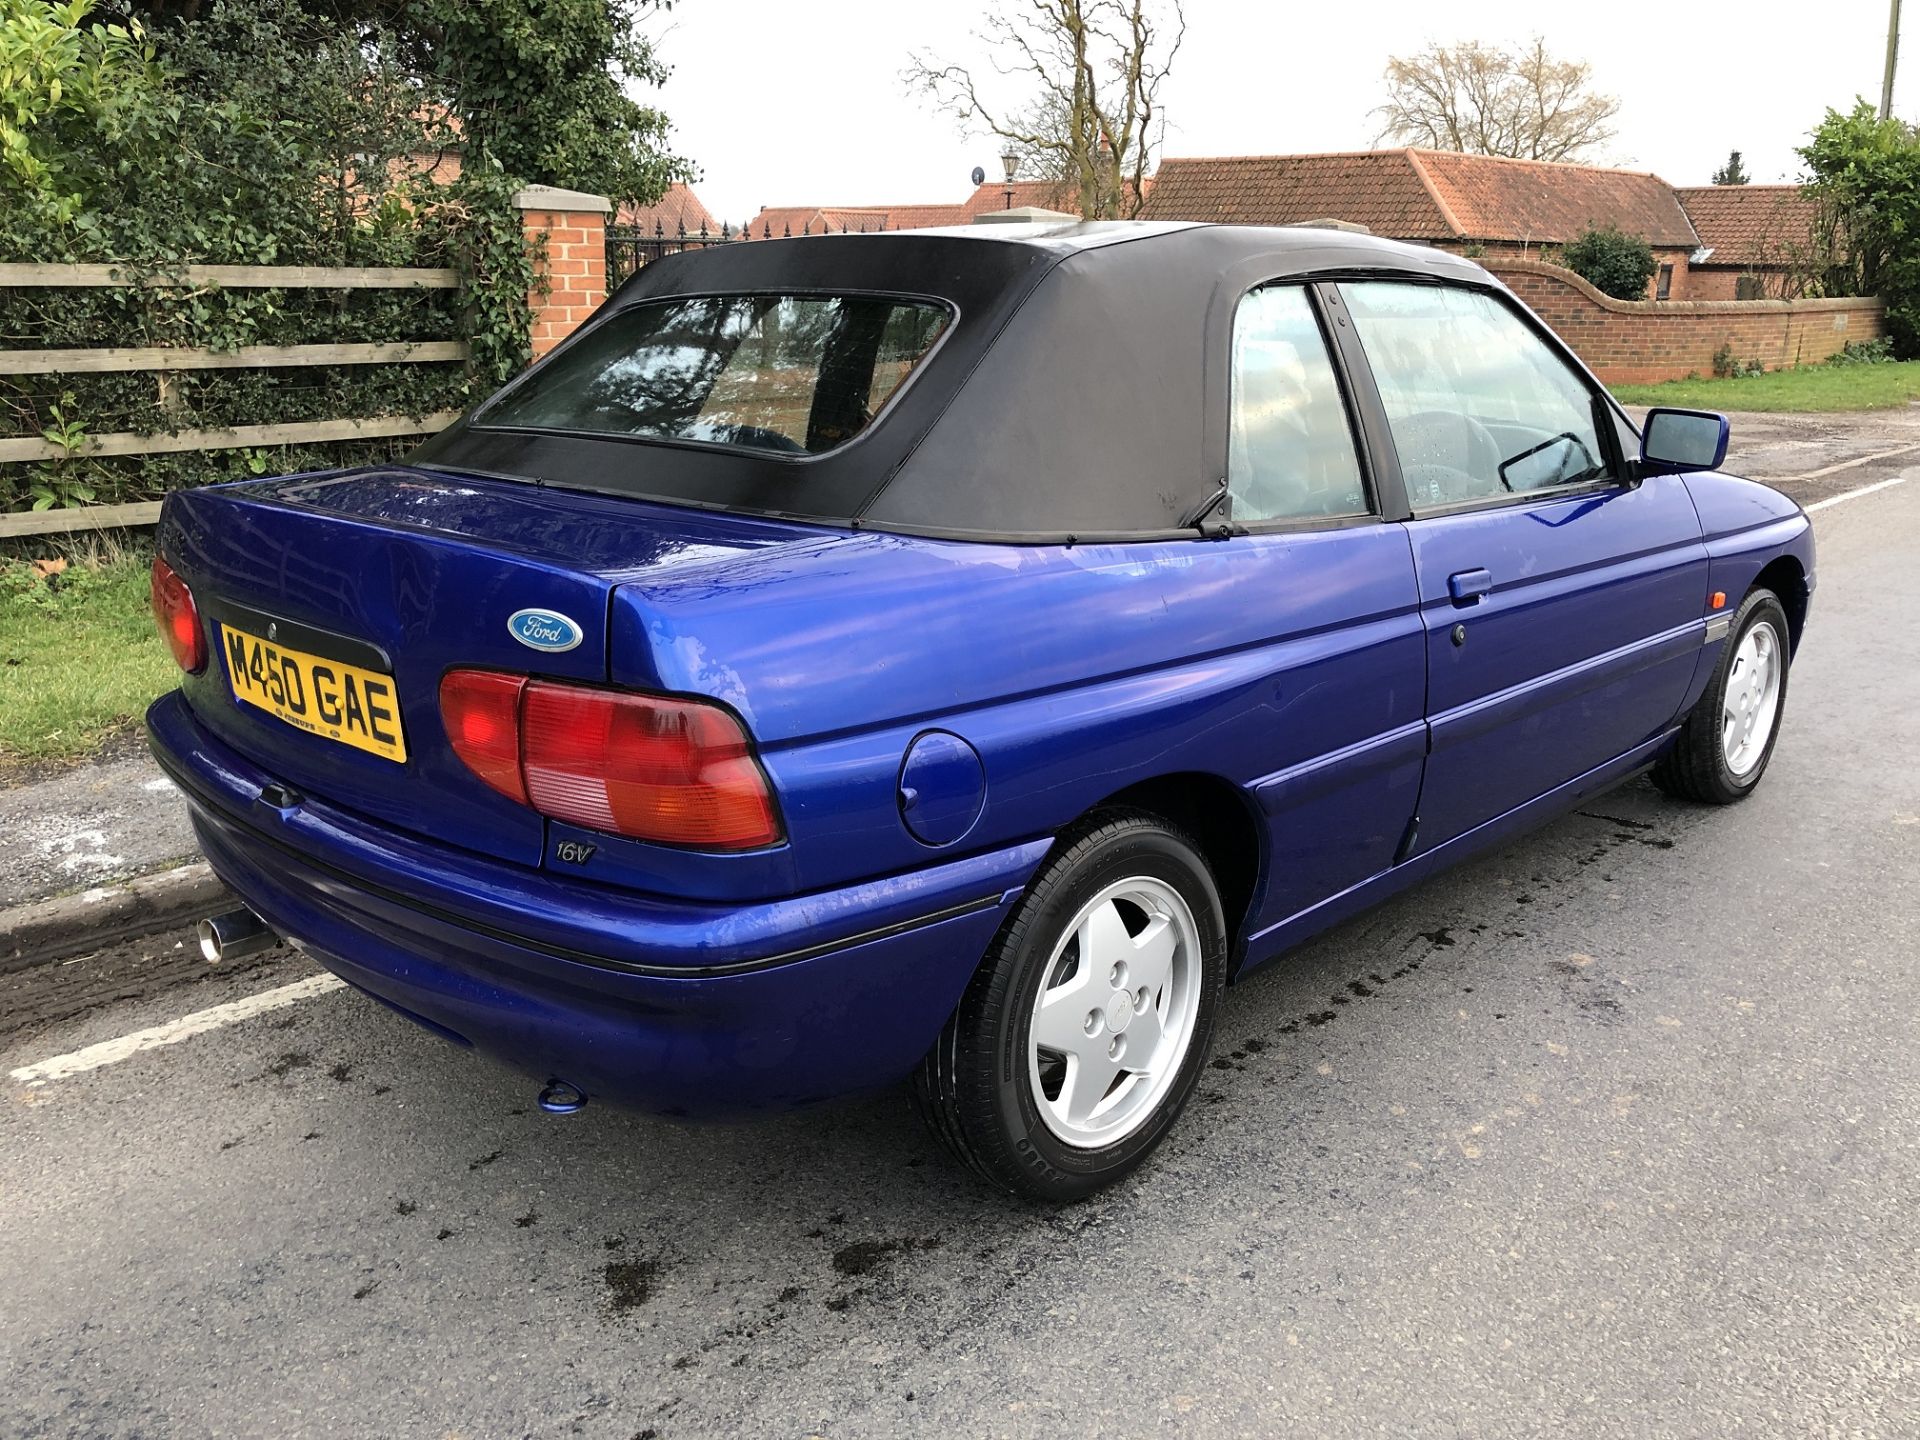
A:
1494	253
1713	284
573	263
1722	282
1635	342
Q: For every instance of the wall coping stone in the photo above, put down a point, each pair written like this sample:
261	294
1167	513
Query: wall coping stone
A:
552	197
1499	265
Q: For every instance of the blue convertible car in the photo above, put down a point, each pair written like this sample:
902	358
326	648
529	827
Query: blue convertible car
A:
957	655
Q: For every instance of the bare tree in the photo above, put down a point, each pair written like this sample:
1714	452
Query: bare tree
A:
1488	101
1091	71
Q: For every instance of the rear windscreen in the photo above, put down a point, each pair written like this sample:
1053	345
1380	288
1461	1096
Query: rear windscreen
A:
790	374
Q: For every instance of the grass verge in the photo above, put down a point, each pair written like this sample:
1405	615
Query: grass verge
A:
1813	388
79	657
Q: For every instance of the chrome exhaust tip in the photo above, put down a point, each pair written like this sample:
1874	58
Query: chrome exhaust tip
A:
234	934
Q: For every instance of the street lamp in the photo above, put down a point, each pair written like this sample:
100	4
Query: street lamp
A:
1010	158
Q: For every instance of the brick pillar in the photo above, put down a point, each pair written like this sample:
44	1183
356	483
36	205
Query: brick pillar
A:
574	226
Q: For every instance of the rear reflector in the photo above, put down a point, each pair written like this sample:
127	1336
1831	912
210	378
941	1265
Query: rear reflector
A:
178	617
675	772
482	712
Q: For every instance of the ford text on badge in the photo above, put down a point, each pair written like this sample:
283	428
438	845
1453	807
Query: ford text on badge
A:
543	630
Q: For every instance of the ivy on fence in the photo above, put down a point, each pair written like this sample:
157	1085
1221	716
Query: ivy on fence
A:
259	137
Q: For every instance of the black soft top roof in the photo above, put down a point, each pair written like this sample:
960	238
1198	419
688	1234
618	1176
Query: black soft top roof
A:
1080	391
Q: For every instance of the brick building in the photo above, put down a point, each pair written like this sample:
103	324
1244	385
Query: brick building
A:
1475	203
1757	242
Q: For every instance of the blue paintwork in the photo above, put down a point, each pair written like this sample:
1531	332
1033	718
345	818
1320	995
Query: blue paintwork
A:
1582	648
943	788
1308	682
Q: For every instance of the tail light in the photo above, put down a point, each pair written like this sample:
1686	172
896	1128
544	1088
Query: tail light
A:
675	772
178	618
482	712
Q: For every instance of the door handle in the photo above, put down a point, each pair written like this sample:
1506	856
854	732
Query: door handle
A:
1467	586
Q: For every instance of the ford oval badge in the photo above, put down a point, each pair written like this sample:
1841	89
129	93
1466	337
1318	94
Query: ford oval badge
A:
546	630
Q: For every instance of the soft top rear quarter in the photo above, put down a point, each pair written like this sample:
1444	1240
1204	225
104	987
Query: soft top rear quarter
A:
1026	423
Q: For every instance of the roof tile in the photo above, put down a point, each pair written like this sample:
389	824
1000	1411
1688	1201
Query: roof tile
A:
1751	224
1380	189
1544	201
1421	195
679	206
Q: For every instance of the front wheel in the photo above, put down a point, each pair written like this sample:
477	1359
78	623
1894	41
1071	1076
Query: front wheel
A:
1084	1032
1727	739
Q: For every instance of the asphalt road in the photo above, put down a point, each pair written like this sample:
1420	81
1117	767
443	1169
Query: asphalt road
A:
1611	1133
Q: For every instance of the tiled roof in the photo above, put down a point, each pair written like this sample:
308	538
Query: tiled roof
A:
1751	224
1041	194
1539	200
1379	189
812	219
921	217
1421	195
678	207
775	221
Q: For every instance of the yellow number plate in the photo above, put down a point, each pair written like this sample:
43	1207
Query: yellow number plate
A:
323	697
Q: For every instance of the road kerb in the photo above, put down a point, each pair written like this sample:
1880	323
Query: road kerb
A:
70	925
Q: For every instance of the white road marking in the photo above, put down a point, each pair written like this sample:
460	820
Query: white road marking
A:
1856	494
1849	464
112	1052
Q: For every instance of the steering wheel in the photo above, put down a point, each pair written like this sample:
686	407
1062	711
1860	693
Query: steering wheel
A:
1440	485
1446	456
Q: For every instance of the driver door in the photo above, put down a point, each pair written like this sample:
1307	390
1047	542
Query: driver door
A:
1562	606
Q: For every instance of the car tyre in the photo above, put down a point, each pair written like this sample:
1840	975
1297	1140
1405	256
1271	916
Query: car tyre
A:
1727	739
1118	948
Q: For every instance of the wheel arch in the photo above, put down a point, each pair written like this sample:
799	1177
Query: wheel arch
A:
1786	578
1221	819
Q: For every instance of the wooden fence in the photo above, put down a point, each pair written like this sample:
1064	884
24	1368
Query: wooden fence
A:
163	359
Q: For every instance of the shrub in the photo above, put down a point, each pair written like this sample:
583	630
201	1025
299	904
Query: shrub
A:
261	133
1611	261
1866	178
1864	352
1728	366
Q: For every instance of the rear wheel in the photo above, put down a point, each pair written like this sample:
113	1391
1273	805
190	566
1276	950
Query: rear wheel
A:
1084	1032
1727	739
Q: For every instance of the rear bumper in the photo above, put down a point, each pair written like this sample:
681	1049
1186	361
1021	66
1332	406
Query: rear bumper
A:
681	1008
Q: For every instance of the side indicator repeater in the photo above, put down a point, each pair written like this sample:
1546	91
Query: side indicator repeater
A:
1718	601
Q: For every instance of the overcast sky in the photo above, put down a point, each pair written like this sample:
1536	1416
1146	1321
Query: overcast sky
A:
797	102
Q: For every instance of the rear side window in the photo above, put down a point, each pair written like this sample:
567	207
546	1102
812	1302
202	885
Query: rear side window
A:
1480	407
791	374
1290	450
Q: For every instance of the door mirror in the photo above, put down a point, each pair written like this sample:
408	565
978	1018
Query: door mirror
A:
1683	440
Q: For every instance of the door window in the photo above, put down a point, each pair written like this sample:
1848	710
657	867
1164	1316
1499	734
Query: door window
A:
1290	449
1479	406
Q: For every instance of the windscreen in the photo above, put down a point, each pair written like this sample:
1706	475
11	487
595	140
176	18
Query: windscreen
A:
789	374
